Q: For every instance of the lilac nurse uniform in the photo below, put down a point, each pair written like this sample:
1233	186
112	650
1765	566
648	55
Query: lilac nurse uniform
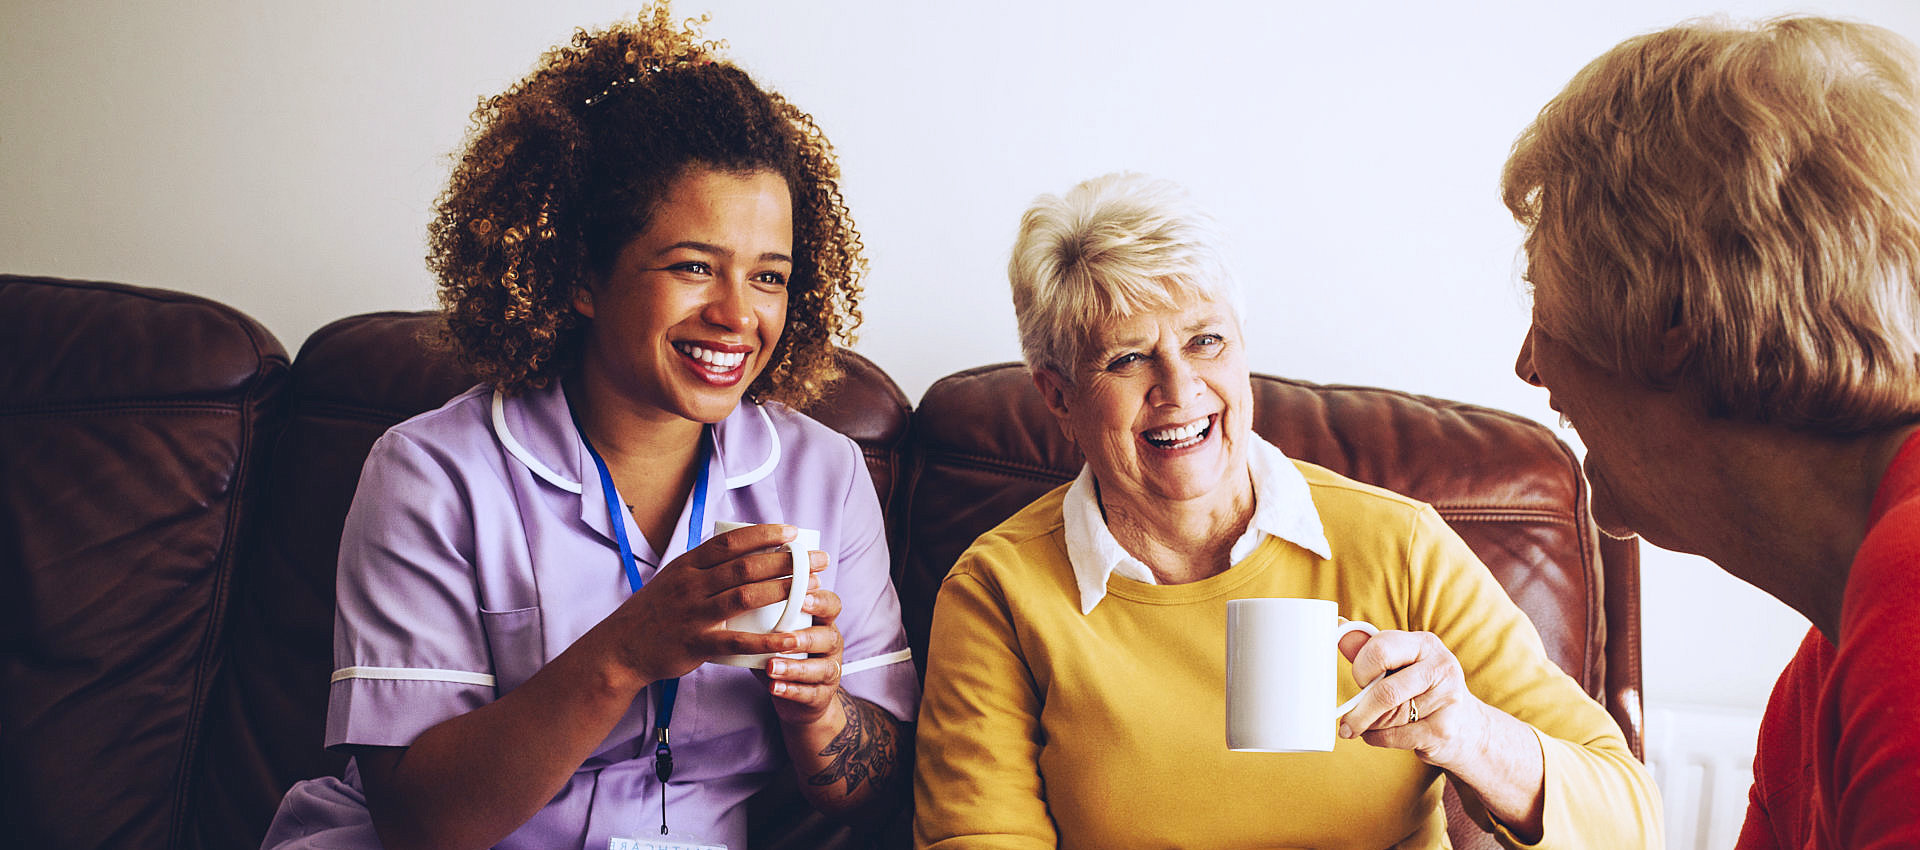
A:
479	546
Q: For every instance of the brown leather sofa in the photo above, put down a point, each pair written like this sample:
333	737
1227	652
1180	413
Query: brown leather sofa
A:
175	488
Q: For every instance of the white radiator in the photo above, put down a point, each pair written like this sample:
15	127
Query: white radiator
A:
1702	759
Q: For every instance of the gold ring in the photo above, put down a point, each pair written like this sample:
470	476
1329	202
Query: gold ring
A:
1413	711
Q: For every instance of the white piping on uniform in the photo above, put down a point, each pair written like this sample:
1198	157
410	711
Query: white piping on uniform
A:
413	674
735	482
514	448
876	661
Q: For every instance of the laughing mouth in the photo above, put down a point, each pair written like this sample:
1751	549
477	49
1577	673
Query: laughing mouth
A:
716	362
1180	436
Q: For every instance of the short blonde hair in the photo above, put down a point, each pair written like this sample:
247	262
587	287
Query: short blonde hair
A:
1757	187
1113	246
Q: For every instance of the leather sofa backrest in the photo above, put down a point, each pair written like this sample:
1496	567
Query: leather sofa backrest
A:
352	380
985	445
131	423
175	492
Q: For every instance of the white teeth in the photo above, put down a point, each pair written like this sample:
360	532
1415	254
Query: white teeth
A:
1180	435
717	361
1177	433
1565	422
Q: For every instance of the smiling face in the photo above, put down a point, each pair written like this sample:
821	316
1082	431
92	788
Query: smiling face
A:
1161	406
691	311
1629	436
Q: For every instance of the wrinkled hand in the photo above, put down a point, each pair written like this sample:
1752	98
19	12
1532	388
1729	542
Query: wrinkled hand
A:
1453	726
677	621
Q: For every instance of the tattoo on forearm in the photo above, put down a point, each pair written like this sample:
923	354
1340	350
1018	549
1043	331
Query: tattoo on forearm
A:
864	751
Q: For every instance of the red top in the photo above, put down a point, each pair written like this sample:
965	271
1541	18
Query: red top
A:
1838	764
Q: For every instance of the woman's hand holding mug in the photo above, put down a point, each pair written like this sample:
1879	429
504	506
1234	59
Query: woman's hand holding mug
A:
804	680
678	620
1421	702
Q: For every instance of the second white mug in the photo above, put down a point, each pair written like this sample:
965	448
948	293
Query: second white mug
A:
1281	675
786	616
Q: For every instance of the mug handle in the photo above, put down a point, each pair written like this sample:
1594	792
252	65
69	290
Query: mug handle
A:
797	594
1354	626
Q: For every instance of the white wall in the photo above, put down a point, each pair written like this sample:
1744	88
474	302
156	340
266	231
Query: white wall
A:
282	157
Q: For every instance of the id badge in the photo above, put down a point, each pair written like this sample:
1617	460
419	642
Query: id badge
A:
661	842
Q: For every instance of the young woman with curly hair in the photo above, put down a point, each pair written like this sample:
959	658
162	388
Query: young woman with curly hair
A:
638	240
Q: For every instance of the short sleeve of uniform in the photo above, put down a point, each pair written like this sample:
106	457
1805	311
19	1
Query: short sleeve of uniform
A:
409	647
875	644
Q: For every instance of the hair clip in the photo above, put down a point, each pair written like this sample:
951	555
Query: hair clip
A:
611	88
691	52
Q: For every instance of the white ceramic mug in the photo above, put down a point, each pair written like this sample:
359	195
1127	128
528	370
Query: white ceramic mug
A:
1281	675
788	616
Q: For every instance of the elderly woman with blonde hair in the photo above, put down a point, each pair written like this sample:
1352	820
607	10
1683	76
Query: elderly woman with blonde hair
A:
1073	694
1724	248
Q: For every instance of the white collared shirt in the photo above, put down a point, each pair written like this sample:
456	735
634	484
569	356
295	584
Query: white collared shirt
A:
1282	507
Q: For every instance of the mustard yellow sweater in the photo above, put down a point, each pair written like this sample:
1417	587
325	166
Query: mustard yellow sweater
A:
1043	727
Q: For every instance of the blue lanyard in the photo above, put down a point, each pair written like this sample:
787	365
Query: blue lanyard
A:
668	689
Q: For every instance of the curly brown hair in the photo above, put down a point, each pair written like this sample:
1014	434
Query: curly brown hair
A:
569	164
